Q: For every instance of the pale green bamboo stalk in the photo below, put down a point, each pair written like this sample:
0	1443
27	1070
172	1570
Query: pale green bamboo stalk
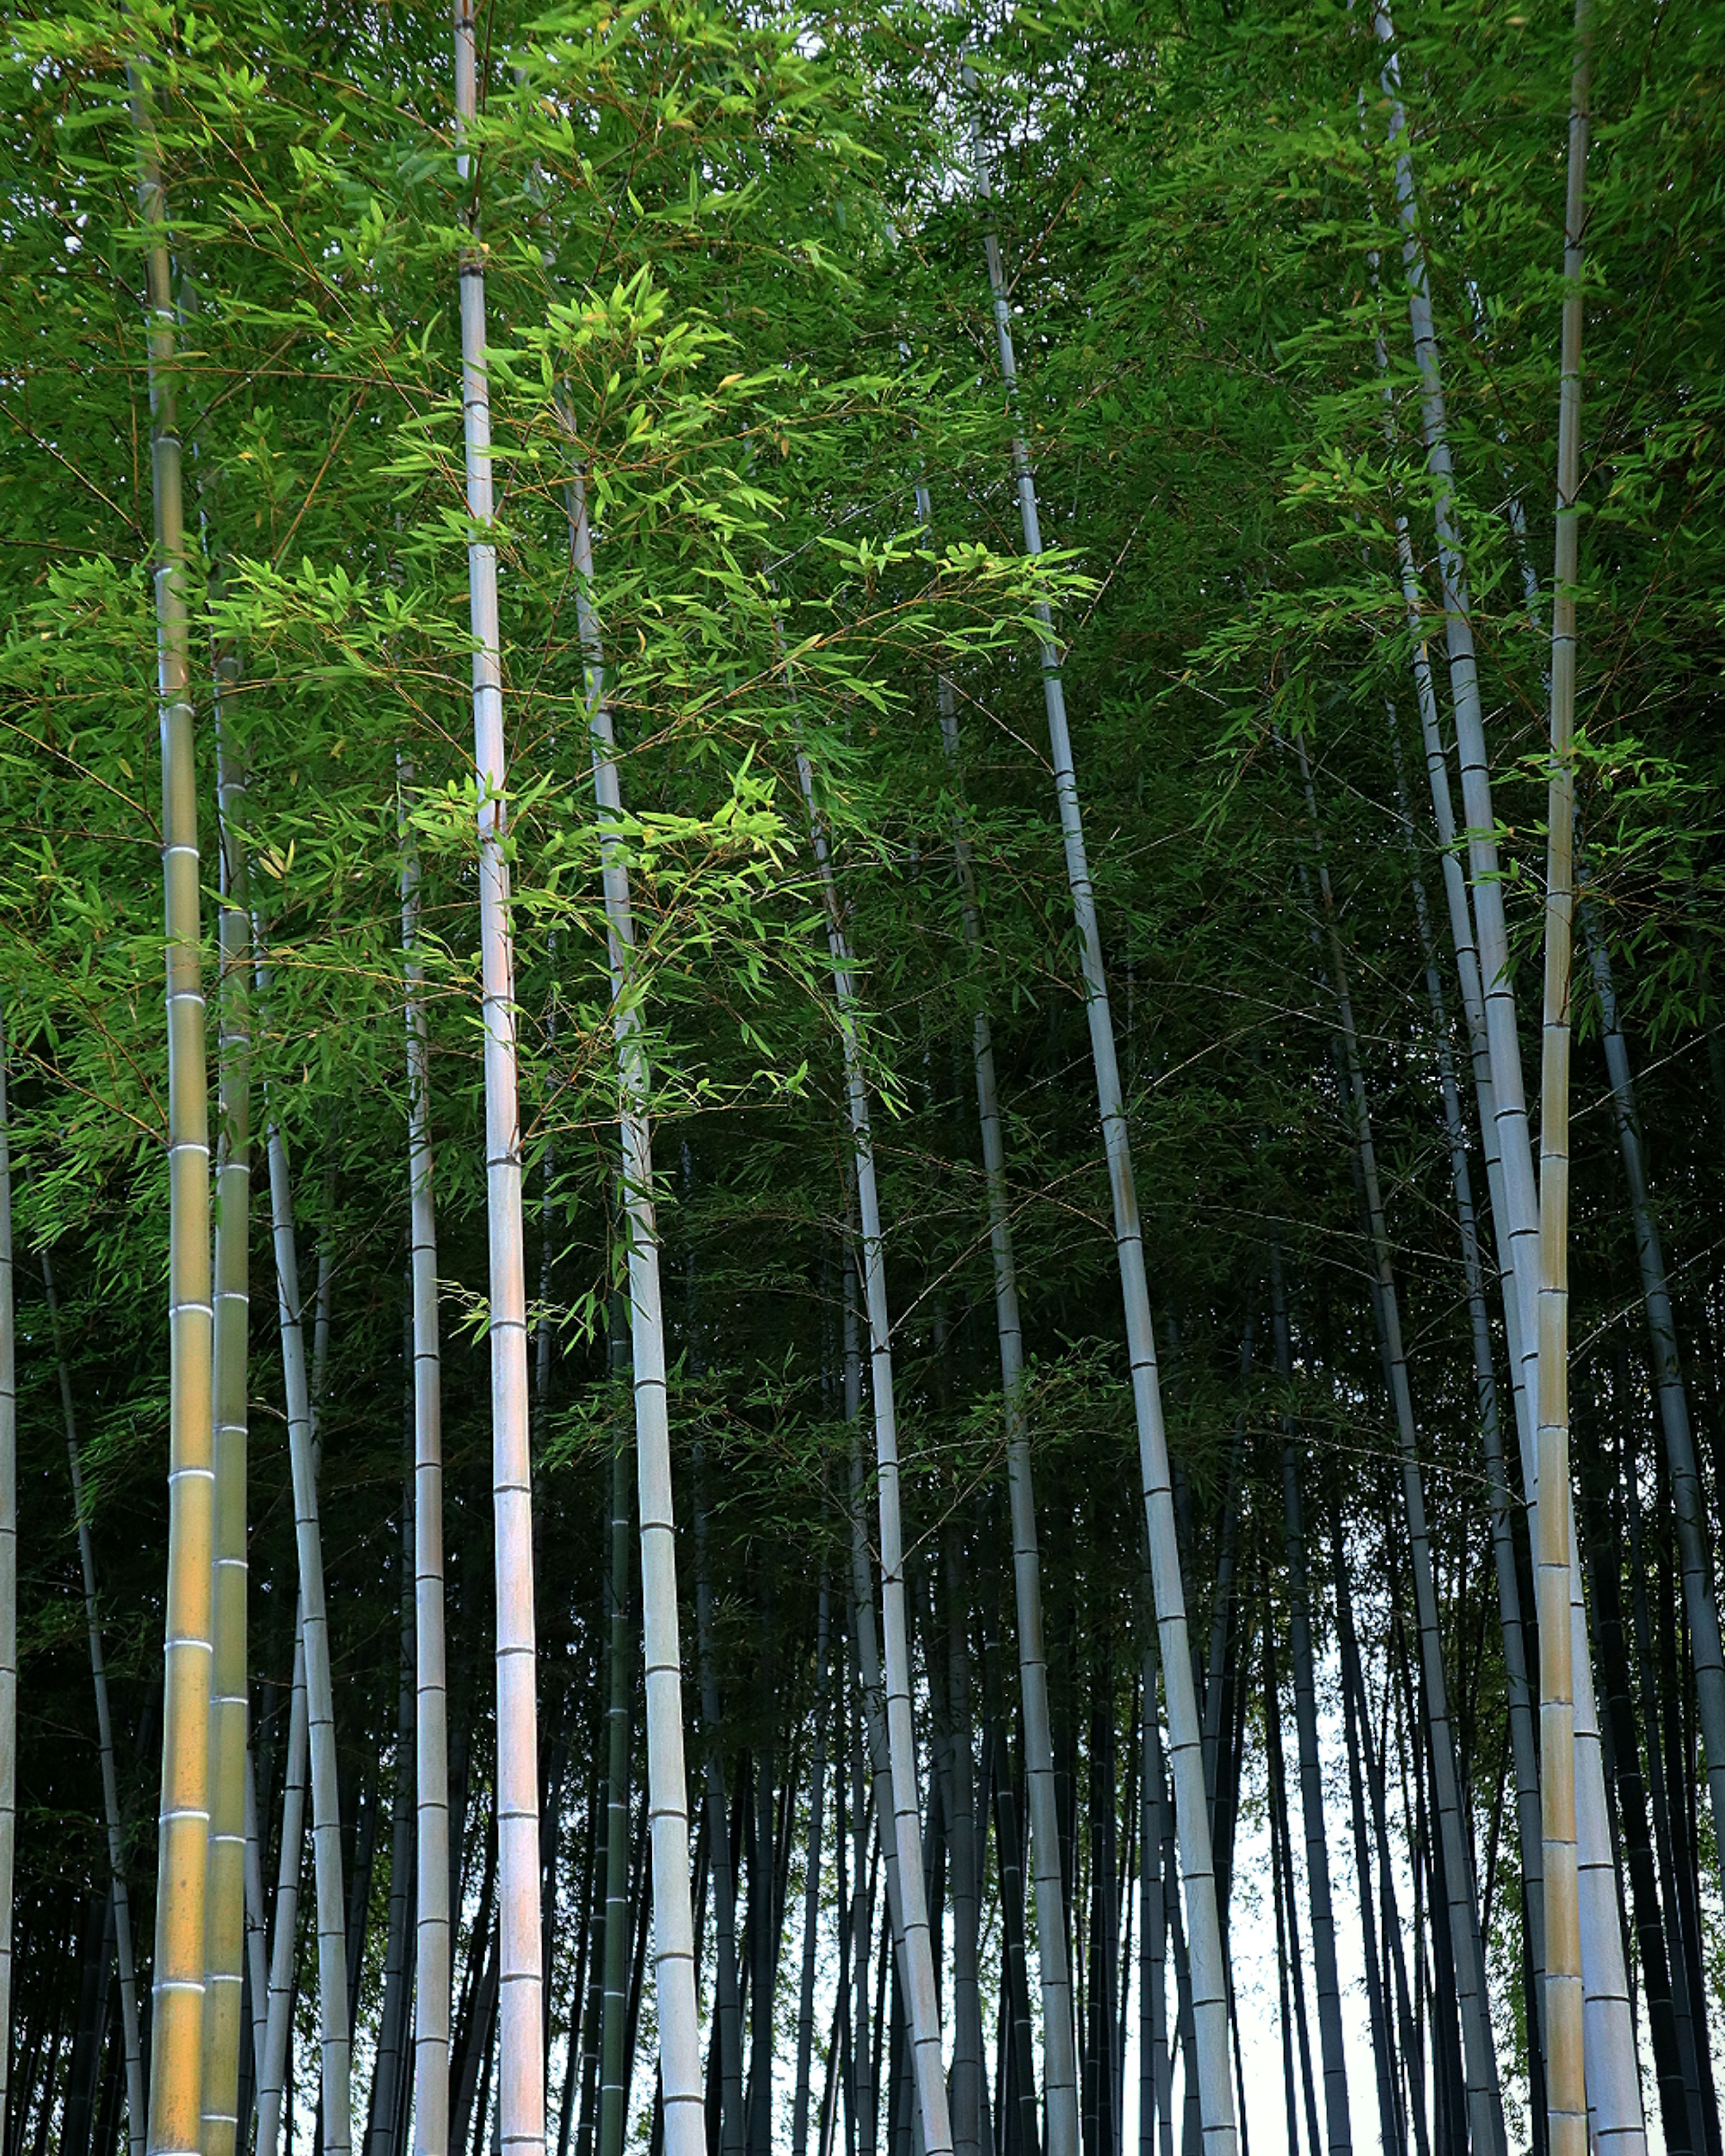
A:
1566	2065
682	2084
224	1929
335	2035
272	2066
257	1932
1210	1981
1619	2121
431	1929
177	2019
9	1596
135	2106
521	2016
335	2032
1688	1507
1054	1961
916	1952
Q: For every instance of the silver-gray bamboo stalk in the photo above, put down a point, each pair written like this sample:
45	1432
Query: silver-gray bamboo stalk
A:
1566	2063
257	1930
917	1966
681	2082
1059	2040
1185	1747
1687	1507
335	2035
431	1926
521	2054
8	1593
136	2118
272	2068
1523	1735
1614	2078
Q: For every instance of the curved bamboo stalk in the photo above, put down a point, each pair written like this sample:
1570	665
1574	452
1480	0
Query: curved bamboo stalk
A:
257	1931
134	2100
917	1953
431	1698
681	2093
1059	2042
1210	1984
272	2068
336	2037
177	2018
9	1596
224	1925
1688	1507
1618	2115
1566	2075
521	2065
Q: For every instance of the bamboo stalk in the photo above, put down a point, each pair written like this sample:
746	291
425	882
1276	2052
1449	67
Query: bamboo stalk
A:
273	2068
1566	2070
1688	1508
335	2031
679	2079
1339	2134
614	2090
811	1887
1484	2096
177	2019
916	1951
225	1917
1059	2058
431	1701
1185	1735
520	2073
1619	2119
136	2109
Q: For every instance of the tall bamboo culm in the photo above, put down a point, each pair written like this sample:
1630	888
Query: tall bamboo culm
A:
431	1924
224	1923
1208	1974
915	1948
9	1596
176	2017
521	2060
127	1972
1060	2051
334	2034
681	2082
1617	2118
1565	2067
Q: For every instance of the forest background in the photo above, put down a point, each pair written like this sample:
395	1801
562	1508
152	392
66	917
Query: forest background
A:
861	388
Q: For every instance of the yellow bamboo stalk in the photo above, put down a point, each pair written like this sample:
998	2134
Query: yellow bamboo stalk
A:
224	1938
1565	2063
176	2025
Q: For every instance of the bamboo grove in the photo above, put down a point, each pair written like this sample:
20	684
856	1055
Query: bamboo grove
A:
862	1079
